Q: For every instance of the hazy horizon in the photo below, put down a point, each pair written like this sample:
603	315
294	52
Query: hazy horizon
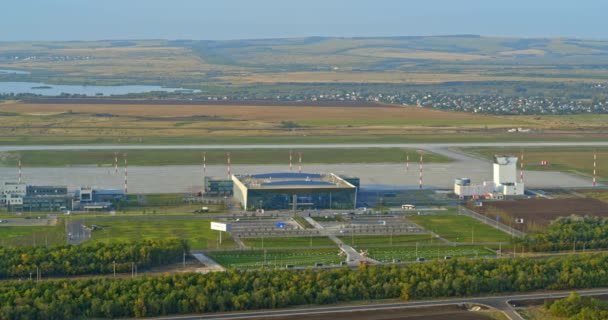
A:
71	20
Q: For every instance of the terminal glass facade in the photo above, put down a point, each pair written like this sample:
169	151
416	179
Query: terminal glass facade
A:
305	199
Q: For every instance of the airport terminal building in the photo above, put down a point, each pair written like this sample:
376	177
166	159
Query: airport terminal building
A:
288	190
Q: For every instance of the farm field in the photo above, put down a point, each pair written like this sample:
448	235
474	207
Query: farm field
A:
538	213
253	259
54	158
576	160
395	240
282	242
196	230
408	254
460	228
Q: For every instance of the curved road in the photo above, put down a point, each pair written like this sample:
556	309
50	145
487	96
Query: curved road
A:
498	302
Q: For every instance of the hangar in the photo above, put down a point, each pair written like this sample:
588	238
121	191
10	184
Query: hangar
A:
289	190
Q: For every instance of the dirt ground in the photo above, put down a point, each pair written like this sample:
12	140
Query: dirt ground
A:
439	313
538	213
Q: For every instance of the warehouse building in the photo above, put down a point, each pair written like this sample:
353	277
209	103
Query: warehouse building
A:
288	190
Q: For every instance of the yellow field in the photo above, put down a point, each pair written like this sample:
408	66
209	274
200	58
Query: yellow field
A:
253	112
415	54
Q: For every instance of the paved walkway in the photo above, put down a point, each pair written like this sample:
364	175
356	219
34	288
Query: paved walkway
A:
353	258
210	264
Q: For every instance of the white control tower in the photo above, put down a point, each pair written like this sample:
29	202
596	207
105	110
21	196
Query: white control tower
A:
505	176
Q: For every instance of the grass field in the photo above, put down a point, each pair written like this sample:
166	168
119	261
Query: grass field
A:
283	242
428	252
18	236
363	241
196	230
577	160
55	158
460	228
252	259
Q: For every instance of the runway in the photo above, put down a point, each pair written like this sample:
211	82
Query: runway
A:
189	178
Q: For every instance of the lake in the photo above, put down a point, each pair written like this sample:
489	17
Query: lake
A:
45	89
9	71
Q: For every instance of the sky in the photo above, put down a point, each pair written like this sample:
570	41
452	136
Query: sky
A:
60	20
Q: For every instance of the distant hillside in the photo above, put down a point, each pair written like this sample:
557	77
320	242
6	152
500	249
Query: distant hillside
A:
276	66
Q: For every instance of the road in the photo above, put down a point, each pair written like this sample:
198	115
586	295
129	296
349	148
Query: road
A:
425	146
500	302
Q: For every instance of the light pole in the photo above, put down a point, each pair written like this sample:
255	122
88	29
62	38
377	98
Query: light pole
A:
114	268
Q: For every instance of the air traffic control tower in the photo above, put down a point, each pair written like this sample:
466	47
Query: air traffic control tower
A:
505	176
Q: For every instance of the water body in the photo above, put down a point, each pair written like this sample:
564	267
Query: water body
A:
50	90
10	71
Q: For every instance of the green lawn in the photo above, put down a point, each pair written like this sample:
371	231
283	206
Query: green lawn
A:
16	236
304	139
460	228
196	230
251	259
359	241
428	252
287	242
213	157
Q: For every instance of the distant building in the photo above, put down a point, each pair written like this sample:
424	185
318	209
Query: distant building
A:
215	186
290	190
19	196
505	176
504	182
87	198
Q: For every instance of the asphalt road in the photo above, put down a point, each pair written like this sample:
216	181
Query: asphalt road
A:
498	302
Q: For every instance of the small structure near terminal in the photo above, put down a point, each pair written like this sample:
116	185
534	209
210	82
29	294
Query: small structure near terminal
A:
91	199
504	183
18	196
290	190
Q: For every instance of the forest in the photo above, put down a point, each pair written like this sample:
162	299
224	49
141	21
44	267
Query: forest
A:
575	307
100	258
568	233
249	290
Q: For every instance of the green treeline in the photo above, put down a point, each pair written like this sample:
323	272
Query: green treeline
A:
570	232
88	259
241	290
576	307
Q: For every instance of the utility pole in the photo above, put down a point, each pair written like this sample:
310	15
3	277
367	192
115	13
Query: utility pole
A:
114	268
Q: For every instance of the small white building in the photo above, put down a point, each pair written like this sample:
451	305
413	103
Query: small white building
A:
14	188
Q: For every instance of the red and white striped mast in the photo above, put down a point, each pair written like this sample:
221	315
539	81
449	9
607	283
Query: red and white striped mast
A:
115	162
420	171
521	168
290	160
228	163
126	186
19	166
204	169
594	167
407	162
299	162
